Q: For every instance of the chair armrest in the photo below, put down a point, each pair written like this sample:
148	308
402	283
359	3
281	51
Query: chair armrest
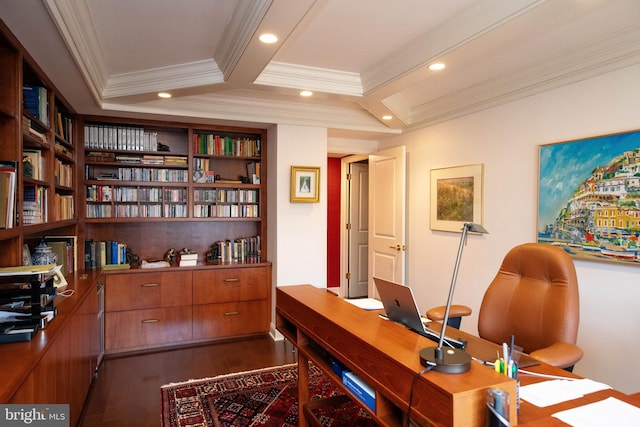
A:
437	313
561	354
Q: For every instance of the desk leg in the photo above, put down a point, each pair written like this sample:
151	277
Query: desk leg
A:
303	388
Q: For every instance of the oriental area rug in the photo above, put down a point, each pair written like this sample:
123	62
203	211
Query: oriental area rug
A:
264	397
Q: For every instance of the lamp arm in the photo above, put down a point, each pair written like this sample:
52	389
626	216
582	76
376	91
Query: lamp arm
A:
463	238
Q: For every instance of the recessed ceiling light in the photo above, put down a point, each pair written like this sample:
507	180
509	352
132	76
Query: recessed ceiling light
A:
268	38
436	66
387	117
306	93
164	94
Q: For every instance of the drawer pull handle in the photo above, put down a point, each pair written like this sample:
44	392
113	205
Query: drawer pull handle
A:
150	321
232	280
150	285
231	313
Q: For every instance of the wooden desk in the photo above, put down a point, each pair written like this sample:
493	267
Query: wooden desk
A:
385	355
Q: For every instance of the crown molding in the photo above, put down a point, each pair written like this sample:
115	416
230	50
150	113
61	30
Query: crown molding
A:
293	76
221	107
74	22
603	56
193	74
471	23
246	18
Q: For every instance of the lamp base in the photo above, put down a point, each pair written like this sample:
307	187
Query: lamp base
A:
446	360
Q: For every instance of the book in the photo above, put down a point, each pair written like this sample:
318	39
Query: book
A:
359	388
8	182
71	243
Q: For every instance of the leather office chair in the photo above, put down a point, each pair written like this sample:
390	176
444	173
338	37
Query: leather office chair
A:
534	296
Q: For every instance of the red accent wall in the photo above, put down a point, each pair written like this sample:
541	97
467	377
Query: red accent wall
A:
333	221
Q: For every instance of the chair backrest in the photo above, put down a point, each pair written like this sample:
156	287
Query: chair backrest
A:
534	296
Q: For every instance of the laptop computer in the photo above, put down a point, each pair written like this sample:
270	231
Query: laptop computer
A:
400	306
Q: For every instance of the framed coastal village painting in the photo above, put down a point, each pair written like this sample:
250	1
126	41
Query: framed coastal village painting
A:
456	197
589	197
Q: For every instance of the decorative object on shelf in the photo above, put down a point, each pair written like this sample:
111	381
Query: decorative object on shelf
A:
305	184
43	255
456	197
170	256
587	192
26	255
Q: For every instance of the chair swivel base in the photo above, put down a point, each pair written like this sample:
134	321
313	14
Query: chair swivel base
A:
446	360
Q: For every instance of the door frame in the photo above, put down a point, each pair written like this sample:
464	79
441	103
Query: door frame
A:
344	253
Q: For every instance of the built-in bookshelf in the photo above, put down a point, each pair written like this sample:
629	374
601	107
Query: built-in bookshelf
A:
205	181
37	155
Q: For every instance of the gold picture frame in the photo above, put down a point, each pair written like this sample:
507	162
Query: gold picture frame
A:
305	184
456	197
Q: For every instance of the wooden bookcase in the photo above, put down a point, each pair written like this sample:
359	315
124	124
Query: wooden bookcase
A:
44	186
184	197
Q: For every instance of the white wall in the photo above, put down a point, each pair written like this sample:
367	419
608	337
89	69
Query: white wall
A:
506	140
297	231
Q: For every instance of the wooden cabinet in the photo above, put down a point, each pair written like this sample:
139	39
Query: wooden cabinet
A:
166	308
229	302
147	309
62	374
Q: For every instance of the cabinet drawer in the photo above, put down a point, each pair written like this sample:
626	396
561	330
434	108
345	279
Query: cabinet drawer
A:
147	290
227	285
228	319
143	328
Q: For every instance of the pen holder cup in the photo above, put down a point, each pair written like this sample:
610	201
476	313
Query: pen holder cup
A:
497	408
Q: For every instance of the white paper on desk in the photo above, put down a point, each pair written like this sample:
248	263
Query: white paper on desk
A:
607	412
548	393
366	303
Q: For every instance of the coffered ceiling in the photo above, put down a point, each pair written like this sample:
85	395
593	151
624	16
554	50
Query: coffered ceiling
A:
362	59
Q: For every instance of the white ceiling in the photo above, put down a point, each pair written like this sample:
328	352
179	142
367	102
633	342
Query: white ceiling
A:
361	58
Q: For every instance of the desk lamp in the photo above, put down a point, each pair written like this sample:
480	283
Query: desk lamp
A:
451	360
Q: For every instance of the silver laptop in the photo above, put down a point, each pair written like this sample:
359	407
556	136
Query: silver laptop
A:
400	306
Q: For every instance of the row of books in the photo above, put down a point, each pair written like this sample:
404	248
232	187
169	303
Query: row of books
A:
35	208
32	162
36	102
140	175
66	250
221	195
8	183
243	249
63	125
101	254
63	206
125	138
216	145
63	174
226	211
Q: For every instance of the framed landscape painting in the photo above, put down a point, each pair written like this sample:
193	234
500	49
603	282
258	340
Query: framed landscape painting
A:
456	197
589	197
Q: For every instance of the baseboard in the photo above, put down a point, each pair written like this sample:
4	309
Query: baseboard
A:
274	334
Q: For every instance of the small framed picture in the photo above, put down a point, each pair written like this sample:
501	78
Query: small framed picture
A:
305	184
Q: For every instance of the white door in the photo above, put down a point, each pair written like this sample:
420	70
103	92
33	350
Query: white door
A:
387	176
358	230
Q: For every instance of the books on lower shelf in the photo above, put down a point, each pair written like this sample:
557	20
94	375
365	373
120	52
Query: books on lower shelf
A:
66	249
108	254
243	249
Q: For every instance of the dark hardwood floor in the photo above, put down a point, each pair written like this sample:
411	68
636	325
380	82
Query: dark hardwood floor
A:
126	390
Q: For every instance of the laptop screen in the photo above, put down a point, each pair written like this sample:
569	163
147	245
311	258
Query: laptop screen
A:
399	303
